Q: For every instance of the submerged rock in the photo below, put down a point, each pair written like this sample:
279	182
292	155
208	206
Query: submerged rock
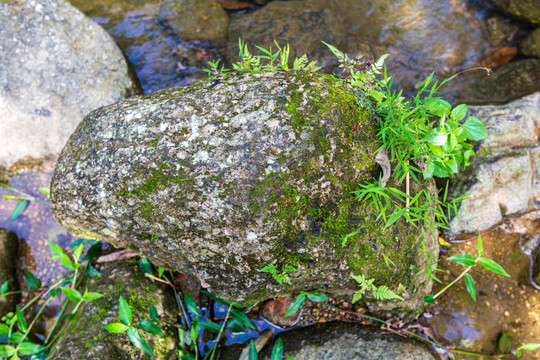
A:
339	341
224	176
85	338
524	10
9	245
55	66
531	45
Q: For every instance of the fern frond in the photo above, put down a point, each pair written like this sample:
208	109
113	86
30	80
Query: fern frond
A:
384	293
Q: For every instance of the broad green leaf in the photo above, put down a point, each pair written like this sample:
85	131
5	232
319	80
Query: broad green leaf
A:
480	246
4	288
277	351
296	305
438	107
19	208
242	319
192	307
430	167
235	326
7	350
92	271
529	347
441	170
463	259
66	262
252	355
210	326
436	137
116	328
150	327
492	266
317	297
146	267
45	190
184	355
474	129
21	322
137	340
91	296
125	311
153	312
469	283
194	332
16	337
160	271
32	281
77	252
4	329
459	112
28	348
429	299
93	253
505	343
55	249
72	294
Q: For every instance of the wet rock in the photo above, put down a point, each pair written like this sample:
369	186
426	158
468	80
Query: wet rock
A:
500	30
508	82
275	310
8	265
201	20
524	10
506	176
531	45
339	341
227	175
55	66
84	337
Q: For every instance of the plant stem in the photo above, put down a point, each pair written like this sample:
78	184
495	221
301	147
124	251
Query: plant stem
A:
453	282
56	322
36	318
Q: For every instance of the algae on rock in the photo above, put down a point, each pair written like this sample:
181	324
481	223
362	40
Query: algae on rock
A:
219	178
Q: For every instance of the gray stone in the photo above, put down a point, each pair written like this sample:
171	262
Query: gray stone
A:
524	10
201	20
9	245
506	178
227	175
340	341
531	45
84	336
500	30
55	66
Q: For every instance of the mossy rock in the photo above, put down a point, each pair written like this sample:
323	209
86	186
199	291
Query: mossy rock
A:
84	337
9	245
219	178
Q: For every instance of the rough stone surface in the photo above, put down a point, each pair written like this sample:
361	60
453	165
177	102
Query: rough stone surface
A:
219	178
339	341
85	337
201	20
55	66
500	30
506	180
8	265
531	45
524	10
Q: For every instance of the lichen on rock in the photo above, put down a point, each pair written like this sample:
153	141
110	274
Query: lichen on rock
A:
219	178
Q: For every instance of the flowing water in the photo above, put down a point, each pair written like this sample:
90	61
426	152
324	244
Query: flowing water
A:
444	37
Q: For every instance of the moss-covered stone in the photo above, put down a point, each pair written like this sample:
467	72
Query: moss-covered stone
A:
9	244
246	171
84	336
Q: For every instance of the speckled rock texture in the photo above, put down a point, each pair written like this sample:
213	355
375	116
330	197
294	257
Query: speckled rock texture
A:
531	45
506	175
55	66
524	10
85	338
227	175
9	244
340	341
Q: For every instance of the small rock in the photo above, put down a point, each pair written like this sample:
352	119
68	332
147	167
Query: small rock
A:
500	29
274	311
8	263
531	45
524	10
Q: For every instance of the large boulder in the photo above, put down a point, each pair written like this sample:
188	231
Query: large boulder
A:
227	175
524	10
55	66
9	245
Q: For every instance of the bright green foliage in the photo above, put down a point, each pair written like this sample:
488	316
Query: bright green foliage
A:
314	296
379	292
279	276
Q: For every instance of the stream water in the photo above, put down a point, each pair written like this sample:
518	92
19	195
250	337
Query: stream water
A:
422	36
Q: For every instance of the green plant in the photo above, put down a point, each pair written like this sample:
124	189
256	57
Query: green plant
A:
23	199
379	292
314	296
280	277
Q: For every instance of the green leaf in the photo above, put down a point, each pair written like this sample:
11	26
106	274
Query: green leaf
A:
252	355
153	312
16	337
194	332
469	283
459	112
93	253
91	296
7	350
28	348
77	252
45	190
429	299
463	259
529	347
270	268
116	328
32	281
66	261
160	271
235	326
4	329
92	271
192	307
277	351
19	208
20	320
242	319
296	305
137	340
437	106
72	294
441	170
317	297
210	326
55	249
480	246
505	343
4	288
492	266
474	129
435	137
125	311
150	327
146	267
